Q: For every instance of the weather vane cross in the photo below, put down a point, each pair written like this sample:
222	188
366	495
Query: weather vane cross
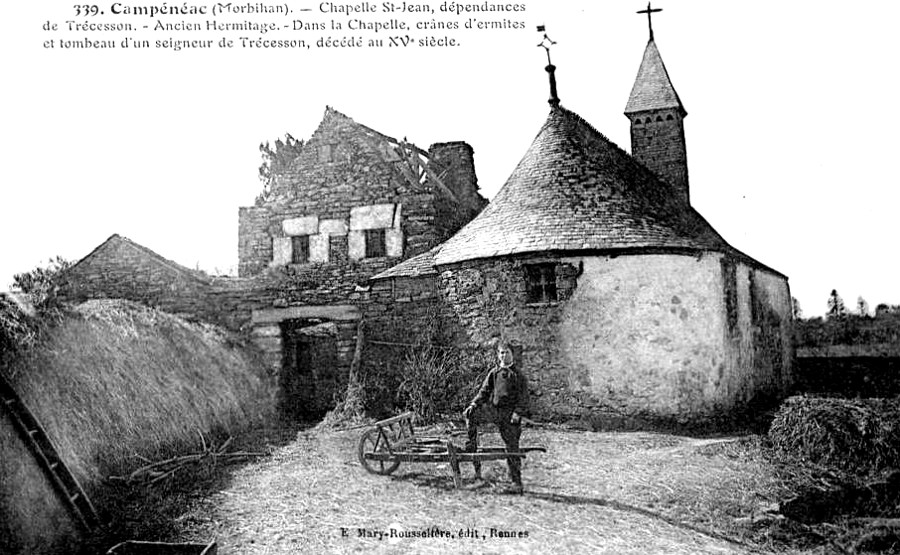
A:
546	43
649	11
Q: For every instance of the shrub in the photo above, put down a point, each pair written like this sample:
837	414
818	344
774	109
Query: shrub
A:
40	284
17	329
431	380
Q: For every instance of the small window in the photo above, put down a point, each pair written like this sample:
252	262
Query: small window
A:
300	249
337	249
669	117
376	243
326	153
541	280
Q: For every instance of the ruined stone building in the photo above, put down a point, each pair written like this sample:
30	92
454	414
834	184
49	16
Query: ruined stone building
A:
625	300
353	203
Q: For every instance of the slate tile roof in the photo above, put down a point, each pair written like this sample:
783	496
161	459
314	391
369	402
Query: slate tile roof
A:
653	89
576	190
419	265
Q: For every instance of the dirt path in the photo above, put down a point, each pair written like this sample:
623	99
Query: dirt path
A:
590	493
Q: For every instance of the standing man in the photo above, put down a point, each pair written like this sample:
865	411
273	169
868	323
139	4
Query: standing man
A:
503	399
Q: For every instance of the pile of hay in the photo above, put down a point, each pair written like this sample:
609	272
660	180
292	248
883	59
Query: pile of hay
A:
115	382
860	436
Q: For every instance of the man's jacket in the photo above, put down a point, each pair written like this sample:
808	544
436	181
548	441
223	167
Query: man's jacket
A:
504	388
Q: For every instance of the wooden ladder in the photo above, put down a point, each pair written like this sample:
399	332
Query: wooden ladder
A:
35	437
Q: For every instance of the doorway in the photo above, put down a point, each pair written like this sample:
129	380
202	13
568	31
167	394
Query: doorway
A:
309	367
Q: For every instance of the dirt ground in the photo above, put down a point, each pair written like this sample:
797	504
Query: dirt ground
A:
589	493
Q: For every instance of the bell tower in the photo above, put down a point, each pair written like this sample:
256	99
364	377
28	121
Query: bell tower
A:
657	120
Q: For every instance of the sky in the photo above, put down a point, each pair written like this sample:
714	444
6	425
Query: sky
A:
790	149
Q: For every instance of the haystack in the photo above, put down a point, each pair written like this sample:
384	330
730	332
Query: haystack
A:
114	383
855	435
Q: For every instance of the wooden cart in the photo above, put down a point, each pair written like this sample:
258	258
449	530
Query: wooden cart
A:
389	442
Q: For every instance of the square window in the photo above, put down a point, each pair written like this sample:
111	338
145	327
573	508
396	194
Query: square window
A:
338	249
541	281
376	243
299	249
326	153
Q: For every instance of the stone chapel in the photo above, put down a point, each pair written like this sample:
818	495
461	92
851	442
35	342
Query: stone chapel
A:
624	298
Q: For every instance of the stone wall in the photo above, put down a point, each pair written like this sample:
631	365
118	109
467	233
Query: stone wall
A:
772	321
627	336
120	268
847	376
349	179
657	141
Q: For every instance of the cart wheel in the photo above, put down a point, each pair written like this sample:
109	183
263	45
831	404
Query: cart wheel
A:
372	442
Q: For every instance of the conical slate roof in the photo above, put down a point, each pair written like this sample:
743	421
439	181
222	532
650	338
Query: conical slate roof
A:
652	89
576	190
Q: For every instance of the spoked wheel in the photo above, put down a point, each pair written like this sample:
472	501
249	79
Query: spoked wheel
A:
372	441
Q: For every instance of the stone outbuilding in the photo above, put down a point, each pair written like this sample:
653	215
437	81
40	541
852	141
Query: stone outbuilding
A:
625	299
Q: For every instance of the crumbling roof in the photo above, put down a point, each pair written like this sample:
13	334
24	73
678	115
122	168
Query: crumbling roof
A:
410	162
652	89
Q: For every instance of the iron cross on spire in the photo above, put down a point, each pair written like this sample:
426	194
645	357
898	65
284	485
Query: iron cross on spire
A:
546	43
649	11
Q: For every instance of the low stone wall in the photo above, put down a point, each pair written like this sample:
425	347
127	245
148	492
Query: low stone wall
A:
848	376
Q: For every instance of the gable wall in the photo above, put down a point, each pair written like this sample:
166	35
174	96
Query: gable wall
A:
320	195
366	175
120	270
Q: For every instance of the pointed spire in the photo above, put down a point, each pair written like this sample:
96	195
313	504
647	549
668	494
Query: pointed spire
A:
653	88
546	43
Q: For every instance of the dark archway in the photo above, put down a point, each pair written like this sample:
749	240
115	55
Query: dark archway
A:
309	369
